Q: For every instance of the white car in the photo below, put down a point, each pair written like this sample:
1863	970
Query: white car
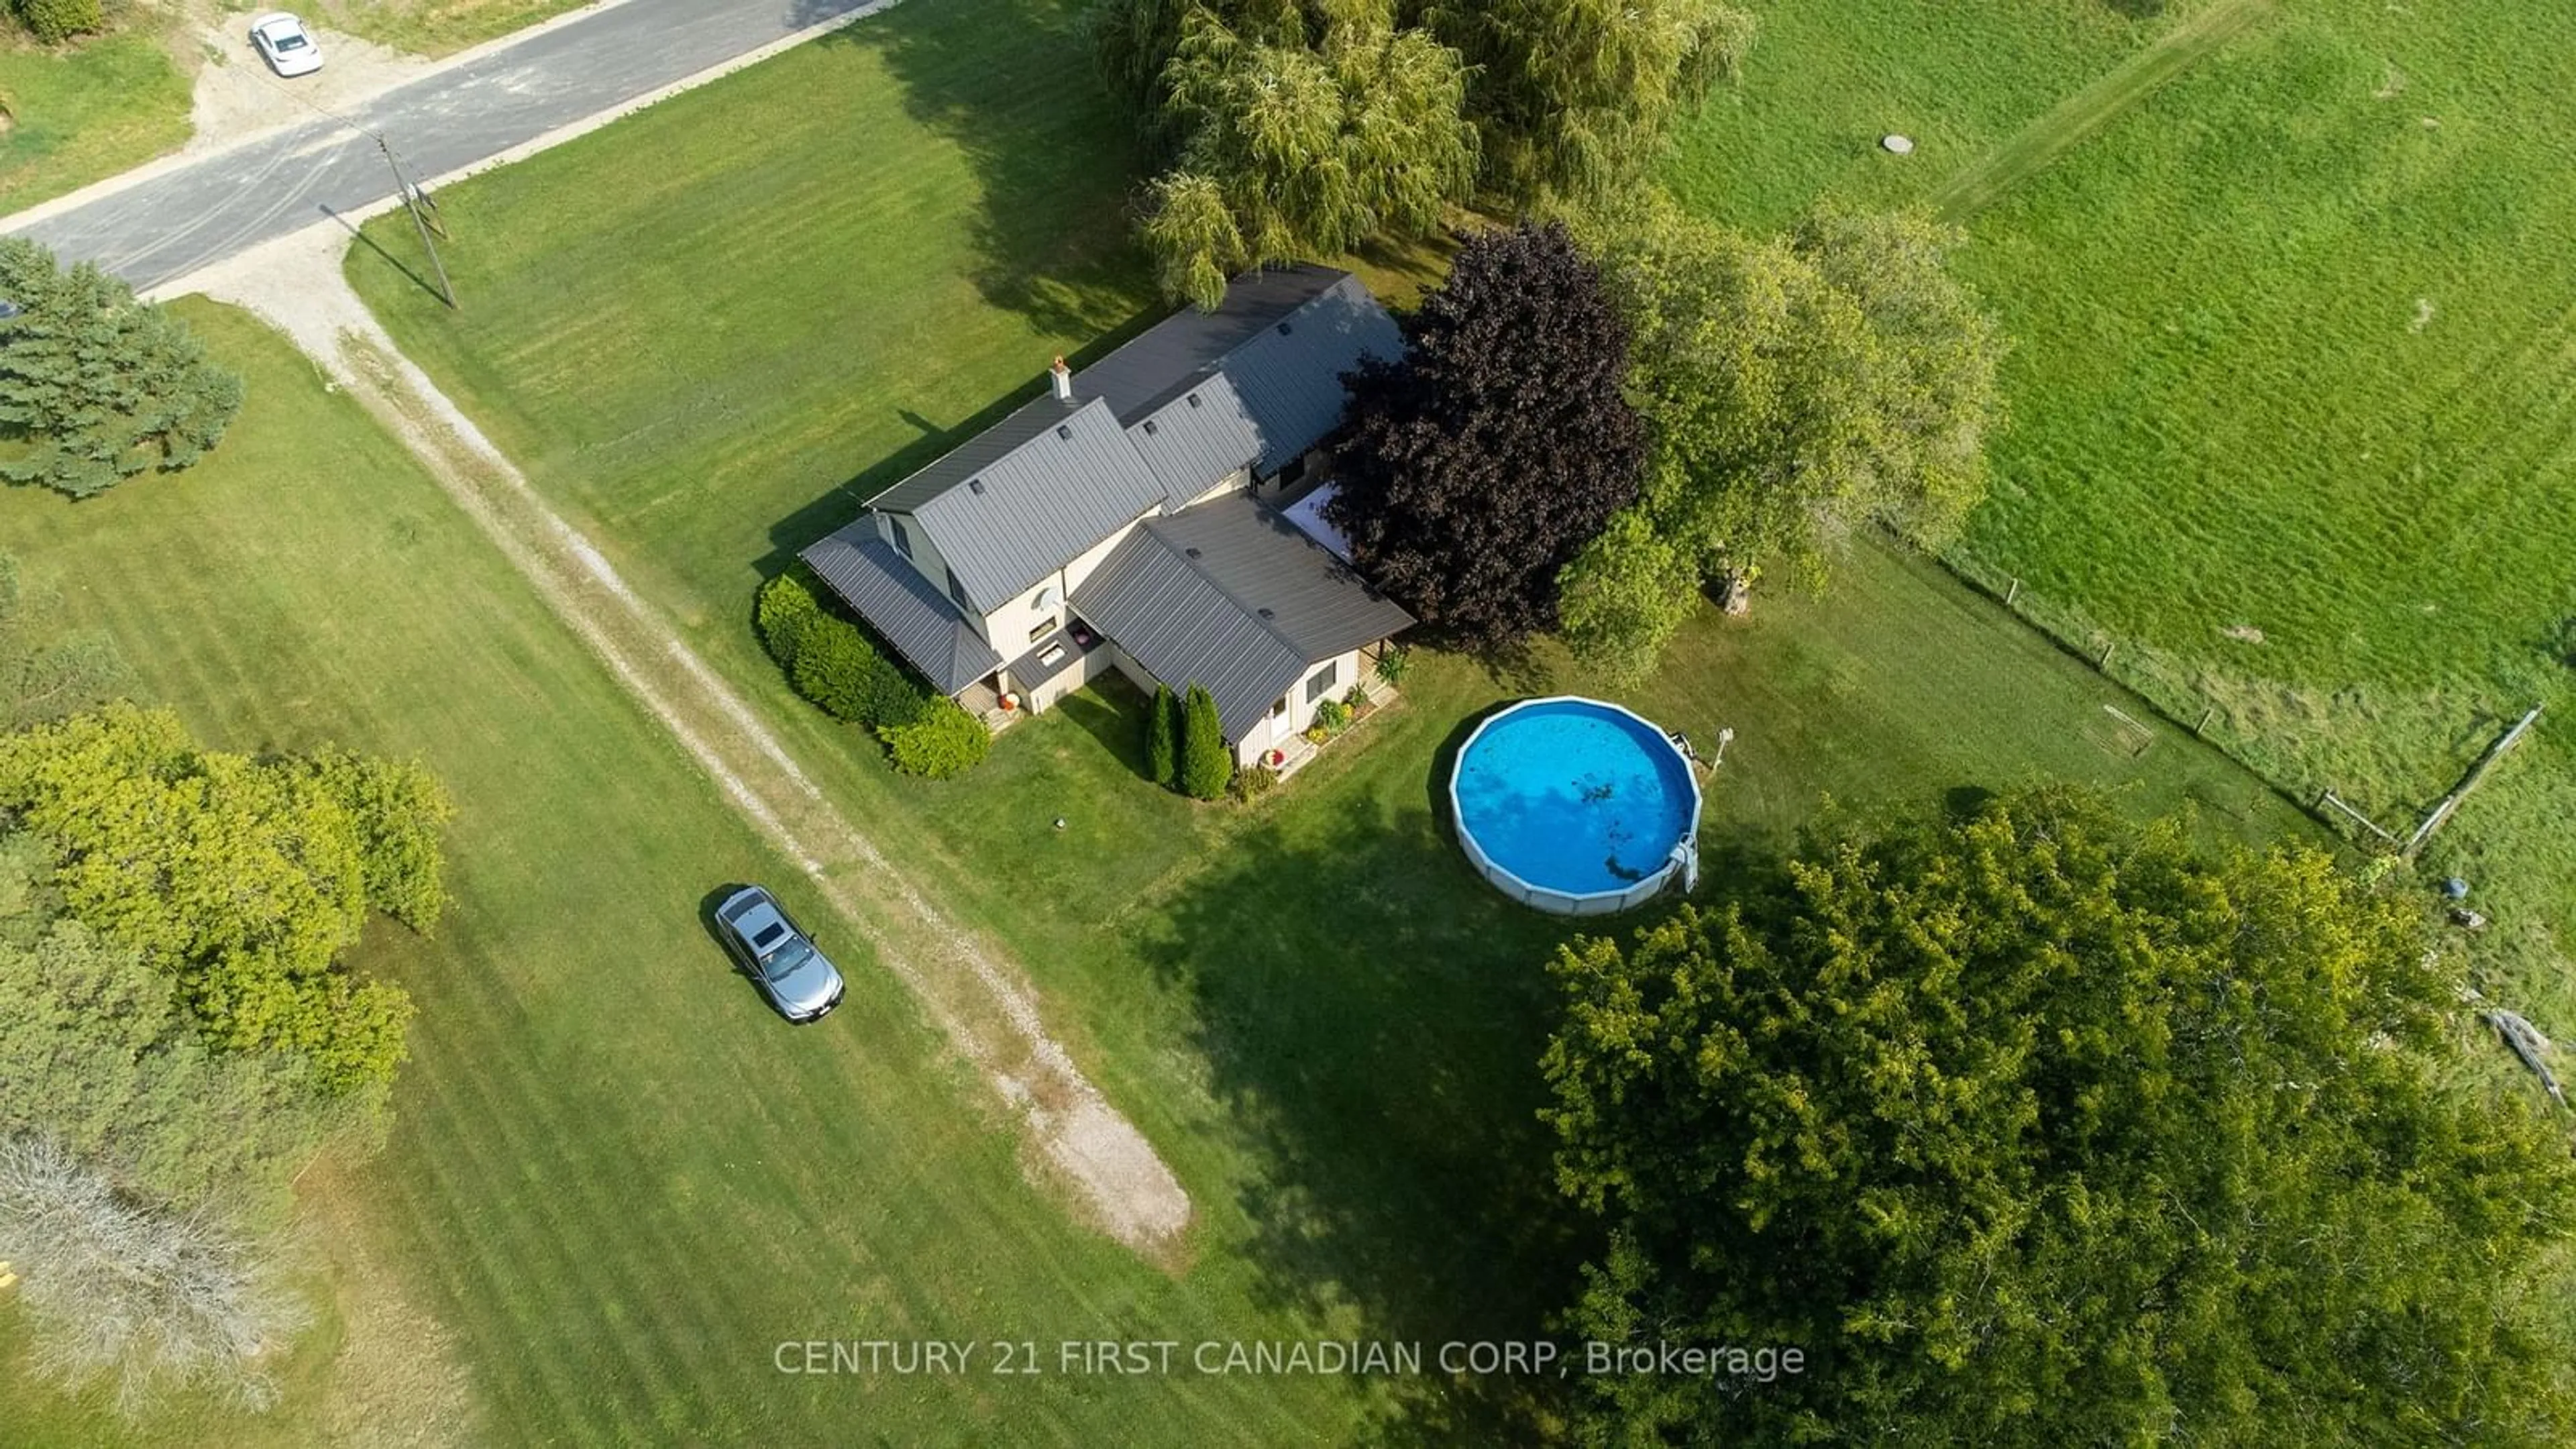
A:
283	42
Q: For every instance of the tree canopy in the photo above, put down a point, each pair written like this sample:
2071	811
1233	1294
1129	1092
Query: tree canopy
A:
243	878
1297	131
1794	389
2035	1128
95	386
1574	98
1477	465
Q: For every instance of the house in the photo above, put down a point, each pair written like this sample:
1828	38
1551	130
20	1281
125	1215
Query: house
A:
1124	520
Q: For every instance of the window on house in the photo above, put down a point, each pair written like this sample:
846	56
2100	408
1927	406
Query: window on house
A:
1322	683
1042	628
957	591
902	539
1280	709
1295	470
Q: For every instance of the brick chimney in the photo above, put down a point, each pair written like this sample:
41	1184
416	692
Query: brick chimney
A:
1063	381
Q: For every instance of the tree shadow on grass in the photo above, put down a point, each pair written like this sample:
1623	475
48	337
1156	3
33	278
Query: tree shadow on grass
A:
1011	83
1373	1017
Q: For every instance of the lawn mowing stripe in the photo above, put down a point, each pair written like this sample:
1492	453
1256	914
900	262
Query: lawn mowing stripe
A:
2082	115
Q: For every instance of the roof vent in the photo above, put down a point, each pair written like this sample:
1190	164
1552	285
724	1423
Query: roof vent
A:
1283	329
975	486
1064	431
1265	613
1192	552
1149	427
1194	399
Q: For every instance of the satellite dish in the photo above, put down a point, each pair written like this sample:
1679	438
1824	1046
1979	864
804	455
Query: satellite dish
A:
1048	597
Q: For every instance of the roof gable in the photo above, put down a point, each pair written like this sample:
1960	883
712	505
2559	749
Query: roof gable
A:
1233	596
1060	478
1160	420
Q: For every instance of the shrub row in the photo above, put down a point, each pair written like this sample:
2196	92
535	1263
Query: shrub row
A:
830	661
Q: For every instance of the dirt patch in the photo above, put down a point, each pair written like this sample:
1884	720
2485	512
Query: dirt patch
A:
966	984
239	97
397	1381
2243	633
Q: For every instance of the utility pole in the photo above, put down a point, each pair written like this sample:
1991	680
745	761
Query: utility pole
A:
424	216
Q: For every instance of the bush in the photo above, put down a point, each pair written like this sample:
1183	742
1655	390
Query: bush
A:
890	698
55	21
1332	717
944	743
1252	782
1205	766
833	663
155	1301
1163	737
1392	664
785	609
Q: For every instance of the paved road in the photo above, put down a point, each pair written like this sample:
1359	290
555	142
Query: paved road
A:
187	218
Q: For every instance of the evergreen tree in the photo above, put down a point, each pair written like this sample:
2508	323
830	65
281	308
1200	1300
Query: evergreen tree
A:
1479	464
1162	737
1205	763
96	385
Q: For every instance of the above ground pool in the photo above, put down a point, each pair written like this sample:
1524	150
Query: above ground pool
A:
1575	806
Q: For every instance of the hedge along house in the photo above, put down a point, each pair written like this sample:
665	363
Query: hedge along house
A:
1119	521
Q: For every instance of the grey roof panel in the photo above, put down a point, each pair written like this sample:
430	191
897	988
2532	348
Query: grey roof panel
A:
903	607
1183	629
1256	606
1196	439
1291	381
1032	492
1061	478
1149	369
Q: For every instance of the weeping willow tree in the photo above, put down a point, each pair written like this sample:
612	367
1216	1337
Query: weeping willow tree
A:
1572	98
1297	131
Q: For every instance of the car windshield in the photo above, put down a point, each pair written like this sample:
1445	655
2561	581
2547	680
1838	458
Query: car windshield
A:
789	957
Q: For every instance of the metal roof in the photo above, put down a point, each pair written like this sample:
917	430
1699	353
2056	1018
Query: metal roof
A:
1232	596
1161	419
1196	439
902	606
1281	339
1029	496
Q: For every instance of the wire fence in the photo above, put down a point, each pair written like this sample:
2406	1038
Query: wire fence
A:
2199	701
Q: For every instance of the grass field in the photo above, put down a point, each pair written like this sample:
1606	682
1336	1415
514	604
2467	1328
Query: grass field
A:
2290	394
79	113
703	348
616	1183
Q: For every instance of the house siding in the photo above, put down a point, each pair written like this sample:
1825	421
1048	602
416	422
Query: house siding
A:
1273	731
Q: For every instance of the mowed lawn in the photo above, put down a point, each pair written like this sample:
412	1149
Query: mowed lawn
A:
2294	369
708	330
616	1182
78	113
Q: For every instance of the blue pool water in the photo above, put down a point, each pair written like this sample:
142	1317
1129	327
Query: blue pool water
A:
1574	796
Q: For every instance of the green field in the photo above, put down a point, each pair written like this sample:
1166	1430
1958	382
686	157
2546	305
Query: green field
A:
84	112
703	352
605	1147
2290	392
